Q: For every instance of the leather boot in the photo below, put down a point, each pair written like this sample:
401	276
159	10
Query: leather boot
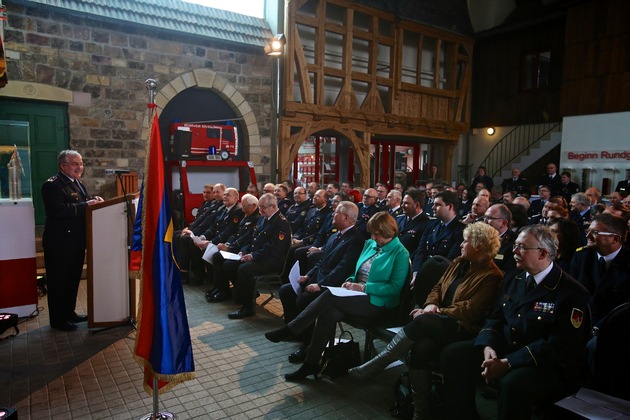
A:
421	386
396	348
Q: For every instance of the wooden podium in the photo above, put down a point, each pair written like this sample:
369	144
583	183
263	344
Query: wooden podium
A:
110	294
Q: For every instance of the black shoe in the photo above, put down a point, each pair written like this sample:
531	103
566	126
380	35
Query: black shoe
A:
78	318
282	334
219	297
305	370
209	293
299	355
66	326
243	312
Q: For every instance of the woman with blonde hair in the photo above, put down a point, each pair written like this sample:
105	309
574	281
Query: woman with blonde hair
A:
453	311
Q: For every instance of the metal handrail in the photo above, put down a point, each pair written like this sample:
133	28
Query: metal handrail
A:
514	144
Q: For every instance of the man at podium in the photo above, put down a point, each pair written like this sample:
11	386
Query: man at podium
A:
65	200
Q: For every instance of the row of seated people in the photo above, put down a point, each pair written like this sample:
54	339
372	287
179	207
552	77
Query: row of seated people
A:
527	335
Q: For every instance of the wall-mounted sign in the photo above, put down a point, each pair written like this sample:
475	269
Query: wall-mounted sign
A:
602	156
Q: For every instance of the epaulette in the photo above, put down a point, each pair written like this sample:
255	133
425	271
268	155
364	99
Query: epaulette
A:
52	178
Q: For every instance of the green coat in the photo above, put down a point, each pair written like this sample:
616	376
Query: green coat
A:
388	272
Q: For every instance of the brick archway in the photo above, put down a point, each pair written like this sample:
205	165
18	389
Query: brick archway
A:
208	79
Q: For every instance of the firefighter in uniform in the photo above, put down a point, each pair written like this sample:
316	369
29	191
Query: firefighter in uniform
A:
531	345
266	254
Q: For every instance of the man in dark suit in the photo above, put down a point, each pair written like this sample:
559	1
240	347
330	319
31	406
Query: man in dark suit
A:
266	254
531	342
442	236
236	243
367	209
412	224
581	213
567	187
516	183
339	257
623	187
535	208
551	179
499	217
603	267
65	200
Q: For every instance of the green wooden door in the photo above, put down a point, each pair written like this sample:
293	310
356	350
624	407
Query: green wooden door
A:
48	124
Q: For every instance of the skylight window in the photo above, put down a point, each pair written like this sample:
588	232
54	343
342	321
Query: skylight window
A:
245	7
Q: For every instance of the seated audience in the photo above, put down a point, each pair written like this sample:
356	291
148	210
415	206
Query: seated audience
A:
236	243
478	210
535	206
413	222
453	311
394	201
442	235
569	240
603	267
367	209
465	204
284	202
380	272
339	256
481	178
530	344
519	216
265	254
296	214
499	217
567	187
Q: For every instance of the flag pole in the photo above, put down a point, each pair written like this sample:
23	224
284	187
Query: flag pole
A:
151	85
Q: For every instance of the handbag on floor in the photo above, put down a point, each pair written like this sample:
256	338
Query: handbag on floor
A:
403	399
339	358
7	321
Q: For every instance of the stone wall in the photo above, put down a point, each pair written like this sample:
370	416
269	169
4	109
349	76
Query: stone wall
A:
104	64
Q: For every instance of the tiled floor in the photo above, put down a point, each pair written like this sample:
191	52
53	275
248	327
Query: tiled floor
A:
239	374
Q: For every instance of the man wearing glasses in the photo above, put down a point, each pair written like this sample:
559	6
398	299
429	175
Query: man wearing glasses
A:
367	209
65	200
530	344
603	267
266	254
500	217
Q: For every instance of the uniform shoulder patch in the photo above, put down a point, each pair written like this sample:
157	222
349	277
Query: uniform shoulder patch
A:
577	316
281	236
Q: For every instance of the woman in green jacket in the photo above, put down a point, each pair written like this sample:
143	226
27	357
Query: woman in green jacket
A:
381	271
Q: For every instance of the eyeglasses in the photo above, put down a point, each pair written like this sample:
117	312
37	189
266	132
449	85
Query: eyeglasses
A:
521	247
596	233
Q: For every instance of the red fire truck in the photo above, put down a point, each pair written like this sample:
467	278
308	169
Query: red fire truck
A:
204	154
206	141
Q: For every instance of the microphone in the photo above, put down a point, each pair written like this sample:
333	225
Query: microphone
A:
116	171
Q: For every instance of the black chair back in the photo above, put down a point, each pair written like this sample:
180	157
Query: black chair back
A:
612	365
428	276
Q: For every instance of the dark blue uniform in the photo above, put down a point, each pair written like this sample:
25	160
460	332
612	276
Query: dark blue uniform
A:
436	240
269	248
235	243
64	243
296	215
540	331
410	231
364	215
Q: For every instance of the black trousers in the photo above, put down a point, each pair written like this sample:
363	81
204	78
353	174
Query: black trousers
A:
188	254
243	276
63	274
431	333
327	310
293	305
519	390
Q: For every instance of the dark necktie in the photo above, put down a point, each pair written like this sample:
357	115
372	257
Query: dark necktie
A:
439	230
602	266
531	283
337	239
